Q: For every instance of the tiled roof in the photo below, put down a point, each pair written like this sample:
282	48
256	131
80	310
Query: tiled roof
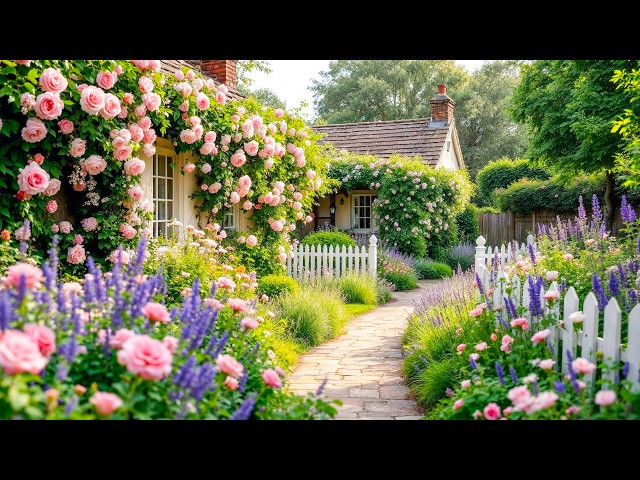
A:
383	139
170	66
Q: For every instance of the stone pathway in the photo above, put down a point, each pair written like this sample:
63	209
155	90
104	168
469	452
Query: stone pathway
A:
364	366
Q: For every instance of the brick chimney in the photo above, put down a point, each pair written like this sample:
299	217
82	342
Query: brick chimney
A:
442	106
224	71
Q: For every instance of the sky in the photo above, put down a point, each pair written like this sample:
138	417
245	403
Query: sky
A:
290	79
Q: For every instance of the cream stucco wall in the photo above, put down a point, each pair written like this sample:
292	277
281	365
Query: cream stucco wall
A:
343	217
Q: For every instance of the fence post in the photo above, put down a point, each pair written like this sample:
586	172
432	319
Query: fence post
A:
480	252
373	256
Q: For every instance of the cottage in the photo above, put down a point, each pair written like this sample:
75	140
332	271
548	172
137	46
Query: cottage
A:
434	139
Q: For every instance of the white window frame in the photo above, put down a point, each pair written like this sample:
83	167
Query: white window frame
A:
352	213
234	214
170	174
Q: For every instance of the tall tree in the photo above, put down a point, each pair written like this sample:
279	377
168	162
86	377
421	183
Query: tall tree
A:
244	69
569	106
268	98
487	131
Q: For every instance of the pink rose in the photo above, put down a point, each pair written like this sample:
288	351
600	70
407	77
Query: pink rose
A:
552	295
238	159
120	337
604	398
144	123
52	188
128	98
198	130
43	337
89	224
552	275
214	187
105	403
189	167
137	134
542	401
230	366
210	137
154	65
34	131
32	179
475	356
278	112
51	80
205	168
540	336
152	101
55	228
460	348
146	357
247	128
582	365
249	322
202	101
226	139
128	232
65	126
78	147
148	149
476	312
577	317
145	84
65	227
268	163
122	153
188	136
106	80
78	239
134	167
491	411
135	192
247	205
207	148
156	312
465	384
252	241
112	107
52	206
48	106
481	346
92	100
27	100
546	364
567	256
237	304
93	165
120	255
251	148
519	395
184	106
457	405
231	383
271	378
140	111
20	353
76	255
520	322
149	135
213	303
178	75
221	98
234	197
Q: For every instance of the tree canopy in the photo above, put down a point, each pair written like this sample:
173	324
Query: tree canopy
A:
268	98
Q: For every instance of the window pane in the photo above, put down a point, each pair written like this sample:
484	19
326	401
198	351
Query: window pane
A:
170	189
162	162
162	211
169	210
162	188
153	162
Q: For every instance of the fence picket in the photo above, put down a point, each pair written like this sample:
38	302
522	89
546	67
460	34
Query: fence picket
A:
516	291
343	260
554	337
571	304
611	337
590	331
633	347
312	261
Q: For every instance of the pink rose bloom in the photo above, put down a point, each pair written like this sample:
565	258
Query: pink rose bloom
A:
55	228
310	173
465	384
542	401
43	336
247	205
120	337
122	255
129	232
552	275
199	131
237	304
230	366
492	411
213	303
278	112
89	224
134	166
210	137
577	317
189	167
604	398
226	139
34	131
238	159
475	356
205	168
277	226
171	343
48	106
481	346
105	403
156	312
207	148
567	256
51	80
249	322
144	123
494	337
112	107
460	348
546	364
251	148
65	126
271	378
247	128
20	353
76	255
122	153
146	357
137	134
540	336
476	312
93	165
65	227
78	147
52	188
221	98
148	149
519	395
92	100
149	135
128	98
188	136
572	410
297	196
32	179
106	80
78	239
154	65
252	241
135	192
52	206
152	101
457	405
268	163
520	322
140	110
231	383
582	365
234	197
552	295
145	84
141	64
202	101
204	187
27	100
226	282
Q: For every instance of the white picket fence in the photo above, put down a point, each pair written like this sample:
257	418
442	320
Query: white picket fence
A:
317	261
484	254
581	340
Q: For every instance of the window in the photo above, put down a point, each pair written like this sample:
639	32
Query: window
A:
361	211
230	221
163	194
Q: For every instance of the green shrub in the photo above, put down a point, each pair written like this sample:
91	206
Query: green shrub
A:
502	173
488	210
274	285
402	281
431	384
463	254
359	288
467	223
383	290
337	239
430	270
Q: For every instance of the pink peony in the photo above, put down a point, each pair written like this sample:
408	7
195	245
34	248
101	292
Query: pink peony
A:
32	179
134	166
92	100
52	206
89	224
230	366
120	337
604	398
252	241
34	131
65	126
43	337
106	80
271	378
76	255
48	106
156	312
20	353
492	411
249	322
112	107
237	304
582	365
105	403
231	383
135	192
457	405
540	336
146	357
93	165
51	80
152	101
145	84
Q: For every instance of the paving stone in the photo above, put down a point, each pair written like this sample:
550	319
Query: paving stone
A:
396	392
363	393
410	417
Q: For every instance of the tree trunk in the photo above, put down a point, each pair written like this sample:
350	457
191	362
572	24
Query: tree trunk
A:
609	200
